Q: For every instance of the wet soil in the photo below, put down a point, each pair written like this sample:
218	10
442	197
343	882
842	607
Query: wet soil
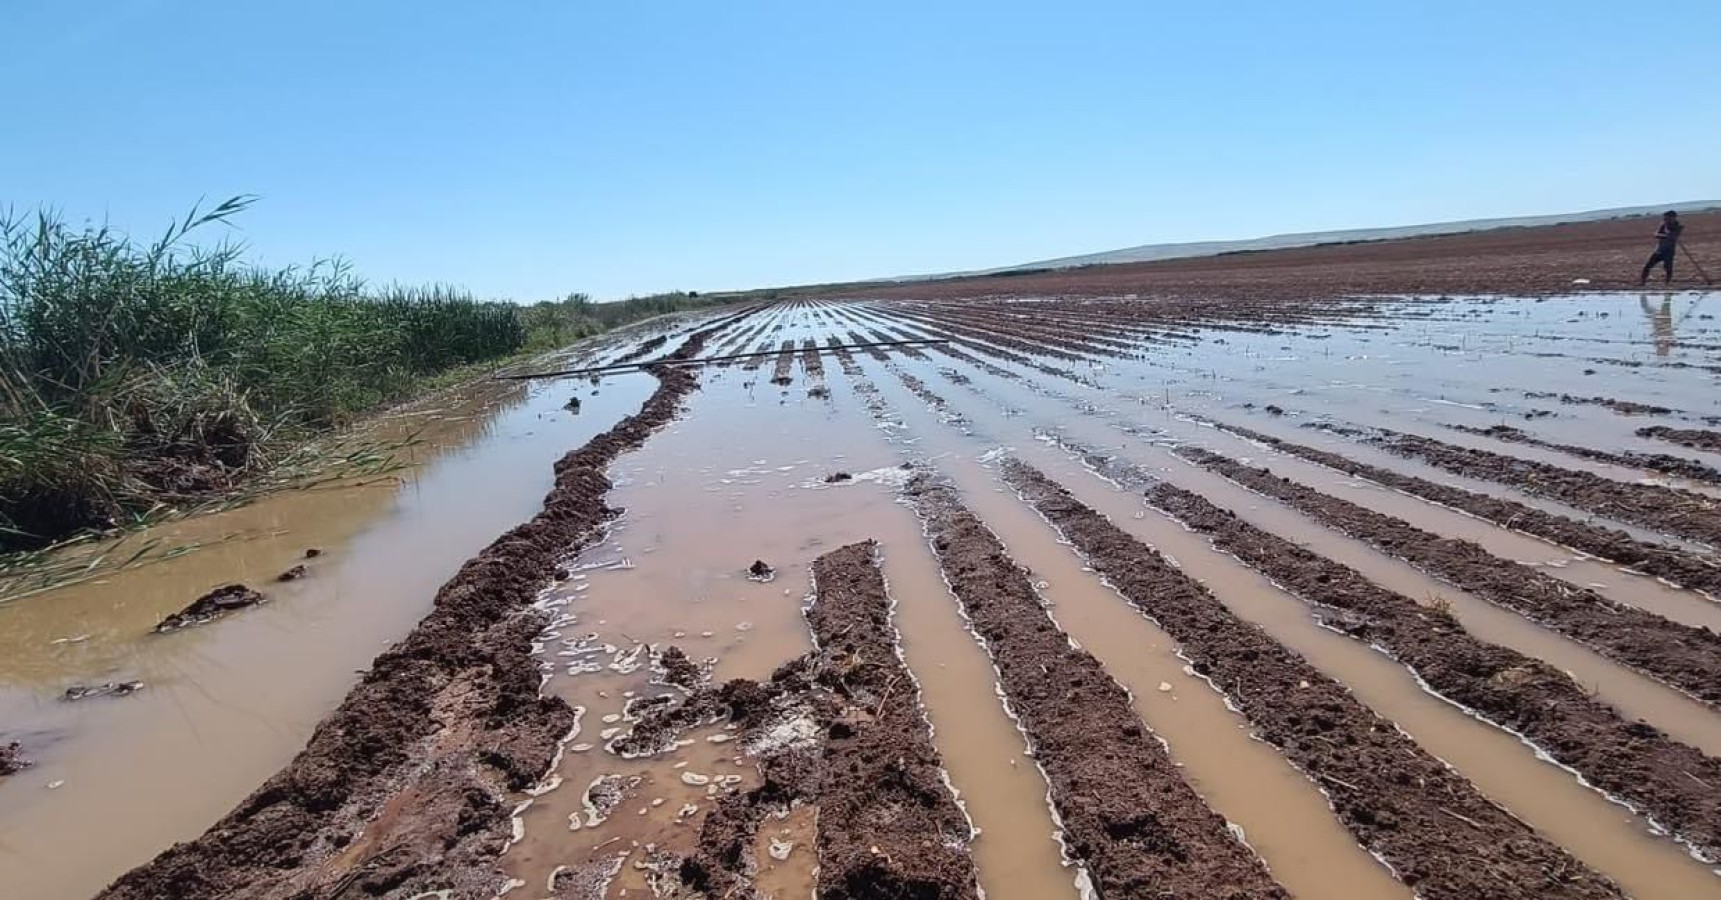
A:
1666	509
403	789
1623	407
12	759
644	349
888	825
1677	655
1657	462
1126	812
1676	785
1695	438
213	605
1519	261
1441	836
1684	569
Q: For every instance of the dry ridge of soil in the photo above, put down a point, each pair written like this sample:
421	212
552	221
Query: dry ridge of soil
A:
1675	784
403	789
1125	810
1612	544
1659	508
1441	836
1678	655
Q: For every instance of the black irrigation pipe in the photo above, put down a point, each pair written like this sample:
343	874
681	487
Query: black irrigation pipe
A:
625	367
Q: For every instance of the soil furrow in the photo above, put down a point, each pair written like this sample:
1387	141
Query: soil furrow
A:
810	361
1674	511
785	368
888	825
1611	544
1695	438
1658	462
405	787
1441	836
1677	655
1126	812
1675	784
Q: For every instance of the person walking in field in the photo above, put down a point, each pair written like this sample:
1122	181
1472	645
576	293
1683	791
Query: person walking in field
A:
1666	245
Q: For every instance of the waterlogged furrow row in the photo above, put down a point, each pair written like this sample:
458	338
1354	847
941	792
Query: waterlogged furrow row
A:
1683	569
1680	656
1127	815
1440	835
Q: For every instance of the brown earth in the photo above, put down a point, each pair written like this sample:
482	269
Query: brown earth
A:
1657	462
1674	783
1521	261
404	788
888	824
212	606
1695	438
1126	812
1683	569
12	759
1671	510
1678	655
1442	836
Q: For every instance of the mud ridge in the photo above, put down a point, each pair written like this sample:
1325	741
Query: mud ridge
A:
1126	812
404	788
645	347
888	825
1680	656
1675	784
1439	834
1658	462
1695	438
1611	544
1671	510
783	376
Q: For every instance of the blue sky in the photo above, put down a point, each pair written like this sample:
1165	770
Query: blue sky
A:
528	149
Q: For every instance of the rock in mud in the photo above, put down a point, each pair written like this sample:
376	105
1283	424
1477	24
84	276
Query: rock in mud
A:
211	606
106	689
838	478
12	759
573	405
313	552
293	574
760	571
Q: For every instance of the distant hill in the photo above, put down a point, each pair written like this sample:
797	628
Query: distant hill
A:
1148	252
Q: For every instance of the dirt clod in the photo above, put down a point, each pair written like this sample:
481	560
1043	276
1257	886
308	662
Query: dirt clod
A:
211	606
760	571
293	574
12	759
106	689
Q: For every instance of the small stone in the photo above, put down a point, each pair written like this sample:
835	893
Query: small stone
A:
1165	687
694	779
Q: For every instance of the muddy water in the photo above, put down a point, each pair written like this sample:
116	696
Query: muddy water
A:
741	477
1605	835
1285	817
226	704
1637	696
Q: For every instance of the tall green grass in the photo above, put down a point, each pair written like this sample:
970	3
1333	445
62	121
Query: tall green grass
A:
556	323
135	375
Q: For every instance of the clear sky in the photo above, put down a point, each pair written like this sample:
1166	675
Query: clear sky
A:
528	149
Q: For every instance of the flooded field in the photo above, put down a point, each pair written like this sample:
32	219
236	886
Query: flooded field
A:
1070	597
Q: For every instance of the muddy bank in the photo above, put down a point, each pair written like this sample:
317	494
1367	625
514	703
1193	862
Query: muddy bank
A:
1611	544
1674	511
1683	657
1656	462
840	728
888	825
1677	785
404	788
1622	407
1441	836
1695	438
1127	814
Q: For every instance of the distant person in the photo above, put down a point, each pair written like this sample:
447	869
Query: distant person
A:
1666	244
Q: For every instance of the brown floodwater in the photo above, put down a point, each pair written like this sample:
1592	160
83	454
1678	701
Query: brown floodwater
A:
225	705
